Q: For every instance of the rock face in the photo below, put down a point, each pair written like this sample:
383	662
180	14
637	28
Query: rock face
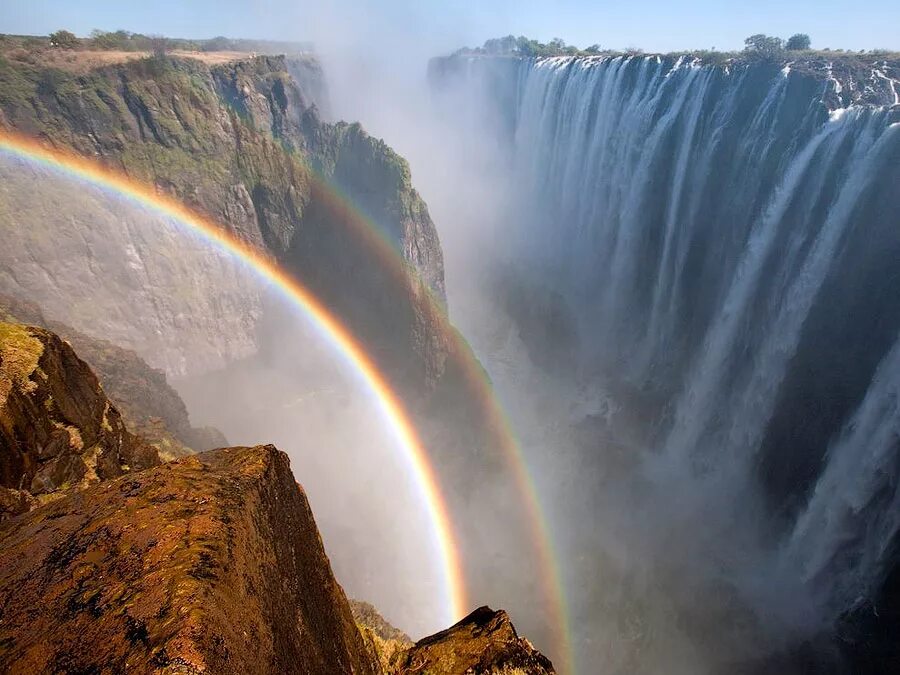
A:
243	143
211	564
57	428
208	564
385	644
150	407
484	642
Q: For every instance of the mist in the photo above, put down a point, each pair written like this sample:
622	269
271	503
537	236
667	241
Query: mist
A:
244	360
297	394
680	280
672	556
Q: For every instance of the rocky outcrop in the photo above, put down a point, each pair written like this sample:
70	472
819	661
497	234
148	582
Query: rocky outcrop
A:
57	428
484	642
385	644
150	407
211	564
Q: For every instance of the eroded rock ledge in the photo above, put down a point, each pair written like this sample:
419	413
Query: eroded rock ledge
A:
211	564
484	642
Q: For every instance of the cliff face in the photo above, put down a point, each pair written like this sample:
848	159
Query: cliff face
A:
845	78
150	407
211	564
243	143
57	428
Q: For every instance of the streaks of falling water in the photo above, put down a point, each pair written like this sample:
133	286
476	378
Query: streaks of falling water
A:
696	217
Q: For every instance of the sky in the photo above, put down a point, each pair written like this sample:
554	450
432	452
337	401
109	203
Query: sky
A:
653	25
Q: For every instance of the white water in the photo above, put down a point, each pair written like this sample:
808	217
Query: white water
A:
726	243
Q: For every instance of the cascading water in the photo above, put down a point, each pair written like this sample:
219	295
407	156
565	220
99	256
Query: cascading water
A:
726	237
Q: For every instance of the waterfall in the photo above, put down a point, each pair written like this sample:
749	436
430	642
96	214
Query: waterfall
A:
727	239
845	534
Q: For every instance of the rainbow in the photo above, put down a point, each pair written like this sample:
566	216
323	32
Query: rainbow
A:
456	599
503	435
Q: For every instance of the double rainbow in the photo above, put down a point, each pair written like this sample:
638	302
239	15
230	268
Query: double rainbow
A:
392	408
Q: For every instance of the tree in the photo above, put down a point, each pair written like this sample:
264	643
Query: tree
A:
63	39
159	46
504	45
797	42
764	46
118	40
593	49
524	46
220	43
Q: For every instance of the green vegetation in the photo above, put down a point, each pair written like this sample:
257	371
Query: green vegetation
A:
19	356
63	39
120	40
526	47
123	41
798	42
756	47
126	41
764	46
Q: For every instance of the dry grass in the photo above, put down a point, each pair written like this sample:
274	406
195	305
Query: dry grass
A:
213	58
83	61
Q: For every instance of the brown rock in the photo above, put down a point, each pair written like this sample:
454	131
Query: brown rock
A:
211	564
151	408
57	428
385	644
484	642
15	502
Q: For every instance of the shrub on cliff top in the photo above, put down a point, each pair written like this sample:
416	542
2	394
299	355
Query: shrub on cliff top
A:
798	42
63	39
764	46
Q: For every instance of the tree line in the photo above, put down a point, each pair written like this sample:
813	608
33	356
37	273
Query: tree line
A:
758	45
126	41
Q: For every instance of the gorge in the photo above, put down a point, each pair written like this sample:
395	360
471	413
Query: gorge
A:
698	260
610	340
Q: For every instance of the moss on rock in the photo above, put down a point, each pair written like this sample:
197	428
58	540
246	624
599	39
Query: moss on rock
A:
20	353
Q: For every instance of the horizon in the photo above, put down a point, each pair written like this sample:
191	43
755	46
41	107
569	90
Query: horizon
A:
653	27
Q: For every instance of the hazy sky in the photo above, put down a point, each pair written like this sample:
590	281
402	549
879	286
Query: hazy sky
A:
658	25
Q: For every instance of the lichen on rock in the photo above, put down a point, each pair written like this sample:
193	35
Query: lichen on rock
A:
57	428
211	564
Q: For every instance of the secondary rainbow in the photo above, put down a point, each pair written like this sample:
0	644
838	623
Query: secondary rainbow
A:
551	581
456	601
